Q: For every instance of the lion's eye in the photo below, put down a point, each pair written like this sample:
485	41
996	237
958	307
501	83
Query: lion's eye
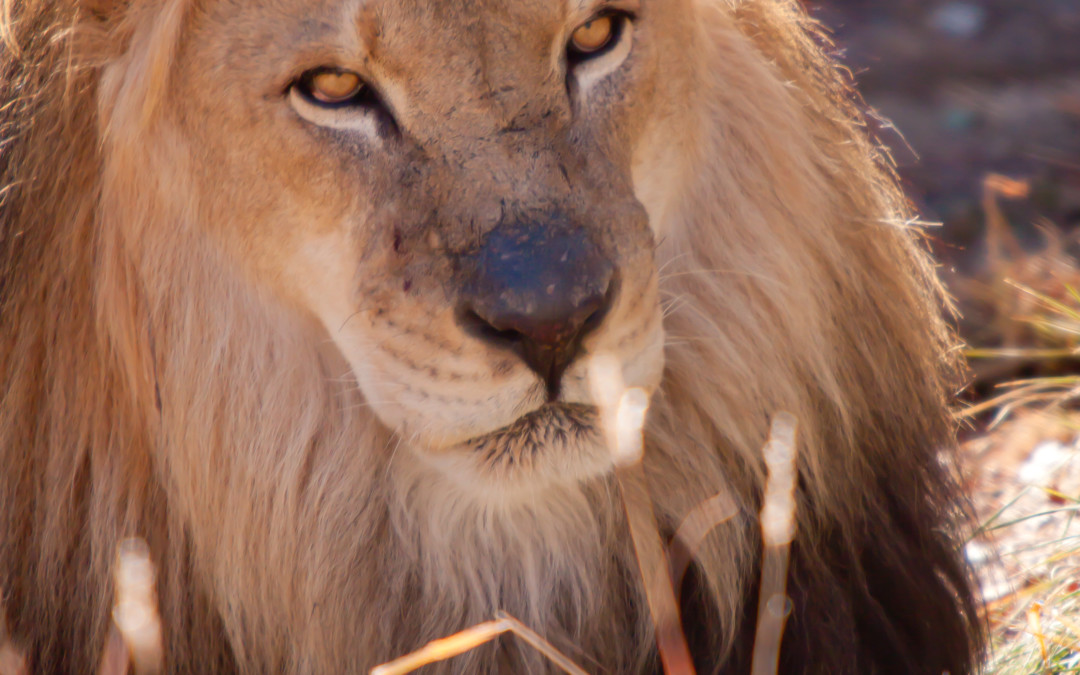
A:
596	36
340	99
593	34
332	86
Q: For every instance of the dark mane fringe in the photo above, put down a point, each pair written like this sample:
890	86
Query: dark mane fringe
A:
47	157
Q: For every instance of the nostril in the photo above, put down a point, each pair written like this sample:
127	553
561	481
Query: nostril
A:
593	321
479	327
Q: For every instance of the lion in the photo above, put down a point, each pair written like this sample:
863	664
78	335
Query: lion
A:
304	294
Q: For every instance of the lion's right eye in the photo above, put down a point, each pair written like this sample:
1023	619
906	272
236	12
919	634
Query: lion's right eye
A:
597	36
597	48
340	99
593	35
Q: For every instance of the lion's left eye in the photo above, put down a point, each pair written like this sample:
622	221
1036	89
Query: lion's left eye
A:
337	98
332	87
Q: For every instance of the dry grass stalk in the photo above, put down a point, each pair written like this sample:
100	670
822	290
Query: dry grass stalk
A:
115	658
135	614
654	569
1057	319
623	414
471	638
537	642
1034	621
1072	626
444	648
777	530
1026	393
12	661
1001	244
693	529
1003	251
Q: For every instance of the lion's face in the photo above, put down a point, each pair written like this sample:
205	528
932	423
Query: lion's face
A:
448	187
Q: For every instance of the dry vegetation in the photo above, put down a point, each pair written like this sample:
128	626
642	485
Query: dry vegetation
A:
1023	451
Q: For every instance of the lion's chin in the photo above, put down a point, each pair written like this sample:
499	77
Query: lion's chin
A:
558	444
549	428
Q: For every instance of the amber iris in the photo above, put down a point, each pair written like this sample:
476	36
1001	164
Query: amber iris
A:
332	86
593	35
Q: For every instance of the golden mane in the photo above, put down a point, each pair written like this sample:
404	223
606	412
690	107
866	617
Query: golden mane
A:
822	302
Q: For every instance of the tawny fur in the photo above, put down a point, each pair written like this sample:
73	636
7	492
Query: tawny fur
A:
152	386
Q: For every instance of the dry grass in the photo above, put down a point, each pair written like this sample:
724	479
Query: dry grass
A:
1027	548
1025	463
471	638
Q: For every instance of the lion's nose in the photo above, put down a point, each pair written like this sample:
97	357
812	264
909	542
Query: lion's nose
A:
538	288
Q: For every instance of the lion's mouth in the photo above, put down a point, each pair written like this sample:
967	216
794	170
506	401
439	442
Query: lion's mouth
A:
551	426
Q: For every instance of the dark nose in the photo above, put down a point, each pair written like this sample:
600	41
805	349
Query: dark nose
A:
538	288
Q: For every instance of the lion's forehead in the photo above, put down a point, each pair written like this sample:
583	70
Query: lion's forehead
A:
403	33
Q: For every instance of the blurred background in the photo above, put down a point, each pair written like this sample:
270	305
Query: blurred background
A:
968	90
975	88
979	103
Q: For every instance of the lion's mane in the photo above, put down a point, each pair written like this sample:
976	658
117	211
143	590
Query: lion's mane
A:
796	284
